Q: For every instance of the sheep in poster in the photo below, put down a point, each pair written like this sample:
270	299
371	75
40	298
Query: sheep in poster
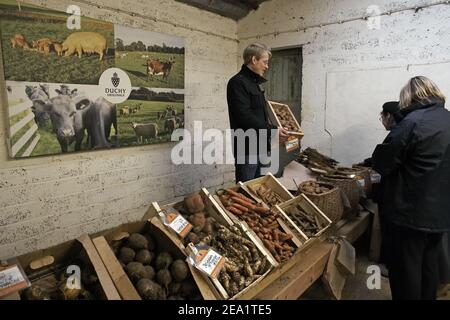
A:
145	131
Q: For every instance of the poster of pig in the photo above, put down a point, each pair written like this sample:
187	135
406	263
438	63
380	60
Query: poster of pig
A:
54	89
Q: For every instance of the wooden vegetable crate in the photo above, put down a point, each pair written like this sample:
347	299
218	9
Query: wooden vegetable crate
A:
46	269
275	109
213	288
259	188
306	214
271	231
106	240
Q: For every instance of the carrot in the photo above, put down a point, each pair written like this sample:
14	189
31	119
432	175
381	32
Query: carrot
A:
225	200
285	236
261	210
243	202
239	195
240	207
234	210
275	235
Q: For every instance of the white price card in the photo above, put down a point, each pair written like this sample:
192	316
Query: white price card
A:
175	221
292	144
207	260
11	280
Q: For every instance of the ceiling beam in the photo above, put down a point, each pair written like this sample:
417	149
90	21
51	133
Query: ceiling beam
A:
229	8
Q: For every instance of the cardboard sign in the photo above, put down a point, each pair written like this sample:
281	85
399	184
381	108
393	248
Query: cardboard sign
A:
12	279
175	221
292	144
206	260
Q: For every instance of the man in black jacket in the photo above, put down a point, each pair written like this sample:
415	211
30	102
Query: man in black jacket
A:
414	161
247	111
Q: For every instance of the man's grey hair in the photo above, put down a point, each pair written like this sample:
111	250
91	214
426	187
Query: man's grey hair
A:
255	50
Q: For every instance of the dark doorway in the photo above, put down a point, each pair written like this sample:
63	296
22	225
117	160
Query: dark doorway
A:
285	86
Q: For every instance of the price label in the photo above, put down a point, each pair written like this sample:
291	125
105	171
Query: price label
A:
207	260
292	144
177	222
11	280
361	182
375	177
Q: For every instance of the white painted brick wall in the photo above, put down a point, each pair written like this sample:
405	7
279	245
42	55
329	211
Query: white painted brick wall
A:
405	38
44	201
49	200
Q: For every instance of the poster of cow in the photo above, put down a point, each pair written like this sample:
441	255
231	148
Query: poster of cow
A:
151	59
52	118
54	86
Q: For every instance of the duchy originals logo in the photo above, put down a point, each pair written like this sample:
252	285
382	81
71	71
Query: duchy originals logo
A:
115	80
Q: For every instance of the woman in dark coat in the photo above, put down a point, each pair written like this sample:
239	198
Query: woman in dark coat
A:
414	161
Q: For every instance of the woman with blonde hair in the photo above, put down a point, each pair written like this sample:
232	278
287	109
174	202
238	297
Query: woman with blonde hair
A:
414	161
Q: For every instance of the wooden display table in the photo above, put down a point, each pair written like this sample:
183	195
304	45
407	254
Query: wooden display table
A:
293	278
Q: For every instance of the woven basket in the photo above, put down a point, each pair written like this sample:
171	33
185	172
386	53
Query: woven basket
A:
329	202
349	186
358	172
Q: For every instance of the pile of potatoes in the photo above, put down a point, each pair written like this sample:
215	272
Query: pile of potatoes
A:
314	187
157	275
286	119
192	208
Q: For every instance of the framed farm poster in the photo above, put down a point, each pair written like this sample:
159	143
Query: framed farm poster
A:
99	86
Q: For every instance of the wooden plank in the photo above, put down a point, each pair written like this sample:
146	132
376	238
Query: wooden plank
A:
102	273
279	271
269	181
23	140
32	145
298	279
20	124
309	264
19	108
354	228
118	276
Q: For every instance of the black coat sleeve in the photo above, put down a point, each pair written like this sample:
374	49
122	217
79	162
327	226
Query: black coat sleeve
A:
388	156
239	105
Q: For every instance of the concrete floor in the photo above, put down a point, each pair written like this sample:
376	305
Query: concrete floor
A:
355	286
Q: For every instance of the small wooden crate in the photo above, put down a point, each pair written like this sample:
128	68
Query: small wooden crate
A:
309	207
285	225
213	289
272	107
269	181
43	264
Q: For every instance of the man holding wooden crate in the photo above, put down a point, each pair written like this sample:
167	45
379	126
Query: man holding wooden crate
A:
248	116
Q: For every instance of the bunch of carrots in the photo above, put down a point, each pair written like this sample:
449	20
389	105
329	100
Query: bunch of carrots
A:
262	221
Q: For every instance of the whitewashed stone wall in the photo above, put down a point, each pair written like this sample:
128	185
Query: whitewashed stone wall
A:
48	200
349	70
